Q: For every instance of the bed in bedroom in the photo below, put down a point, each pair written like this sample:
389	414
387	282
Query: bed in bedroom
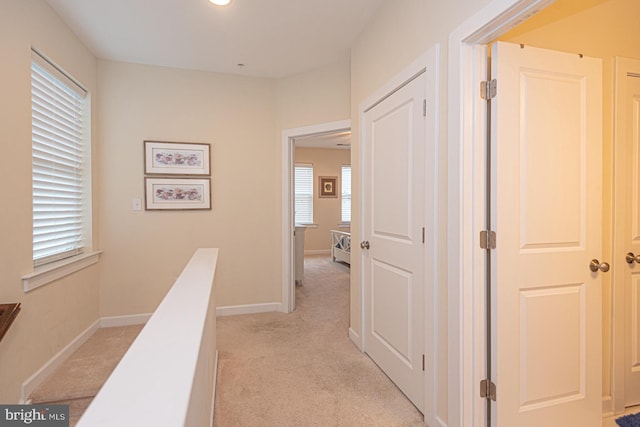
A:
341	246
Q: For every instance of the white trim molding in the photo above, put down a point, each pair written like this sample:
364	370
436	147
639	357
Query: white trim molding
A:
318	252
466	310
232	310
57	270
133	319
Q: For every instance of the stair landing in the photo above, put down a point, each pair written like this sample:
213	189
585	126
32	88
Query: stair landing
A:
80	377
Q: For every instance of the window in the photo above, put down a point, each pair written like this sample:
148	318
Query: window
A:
346	193
60	170
303	193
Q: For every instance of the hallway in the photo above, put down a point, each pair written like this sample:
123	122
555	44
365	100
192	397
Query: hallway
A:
301	368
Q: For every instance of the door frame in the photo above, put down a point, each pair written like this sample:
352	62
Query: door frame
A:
288	203
429	61
467	201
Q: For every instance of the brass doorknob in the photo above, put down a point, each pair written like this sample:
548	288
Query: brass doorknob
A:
631	258
595	265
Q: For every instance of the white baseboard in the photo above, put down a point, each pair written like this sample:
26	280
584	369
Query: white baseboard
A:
607	406
231	310
134	319
355	338
318	252
52	364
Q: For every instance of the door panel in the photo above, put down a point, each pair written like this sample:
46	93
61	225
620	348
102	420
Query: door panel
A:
391	294
393	189
562	308
551	170
546	211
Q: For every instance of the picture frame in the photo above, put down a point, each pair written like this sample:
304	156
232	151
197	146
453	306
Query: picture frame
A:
328	186
177	194
177	158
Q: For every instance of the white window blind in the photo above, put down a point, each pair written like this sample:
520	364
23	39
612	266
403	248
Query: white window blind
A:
303	193
346	193
58	105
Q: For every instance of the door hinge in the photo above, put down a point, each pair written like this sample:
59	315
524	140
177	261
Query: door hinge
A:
488	390
488	89
487	239
423	232
423	363
424	107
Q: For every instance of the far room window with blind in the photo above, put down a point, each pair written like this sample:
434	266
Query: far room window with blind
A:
346	194
60	169
303	193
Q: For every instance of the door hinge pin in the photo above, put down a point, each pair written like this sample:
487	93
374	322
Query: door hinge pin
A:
423	363
488	89
424	107
488	390
423	232
487	239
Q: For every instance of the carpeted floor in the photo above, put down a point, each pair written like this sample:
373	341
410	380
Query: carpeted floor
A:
301	369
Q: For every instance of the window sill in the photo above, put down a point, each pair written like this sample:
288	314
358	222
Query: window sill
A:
49	273
307	225
344	225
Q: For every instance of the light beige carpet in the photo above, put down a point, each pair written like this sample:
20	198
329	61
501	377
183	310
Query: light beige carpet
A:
79	378
301	369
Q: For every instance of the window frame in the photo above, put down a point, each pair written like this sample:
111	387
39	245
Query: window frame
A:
80	253
346	222
310	201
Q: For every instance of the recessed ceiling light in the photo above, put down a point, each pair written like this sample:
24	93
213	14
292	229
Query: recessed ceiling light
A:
220	2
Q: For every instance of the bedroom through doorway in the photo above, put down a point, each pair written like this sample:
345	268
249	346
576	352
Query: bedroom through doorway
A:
321	184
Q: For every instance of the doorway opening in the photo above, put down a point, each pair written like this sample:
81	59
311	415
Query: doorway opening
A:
328	147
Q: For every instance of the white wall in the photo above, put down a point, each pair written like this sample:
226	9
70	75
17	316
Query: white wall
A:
54	314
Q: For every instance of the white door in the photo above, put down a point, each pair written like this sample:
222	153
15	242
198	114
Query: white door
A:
393	189
547	212
627	219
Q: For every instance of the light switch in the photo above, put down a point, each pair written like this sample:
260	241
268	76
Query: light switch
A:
136	205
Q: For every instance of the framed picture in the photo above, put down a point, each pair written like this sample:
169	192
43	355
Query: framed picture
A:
177	194
328	186
176	158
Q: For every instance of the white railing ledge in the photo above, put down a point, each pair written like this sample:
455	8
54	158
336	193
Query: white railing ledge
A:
167	377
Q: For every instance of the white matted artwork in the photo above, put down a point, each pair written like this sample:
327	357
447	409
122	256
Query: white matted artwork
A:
176	158
177	194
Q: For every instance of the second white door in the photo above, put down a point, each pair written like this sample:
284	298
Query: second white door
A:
393	248
547	213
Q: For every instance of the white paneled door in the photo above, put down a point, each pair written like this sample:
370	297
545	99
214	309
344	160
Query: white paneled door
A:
546	208
393	248
627	219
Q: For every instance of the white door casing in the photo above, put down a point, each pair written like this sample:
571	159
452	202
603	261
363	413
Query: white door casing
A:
393	265
546	209
626	223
